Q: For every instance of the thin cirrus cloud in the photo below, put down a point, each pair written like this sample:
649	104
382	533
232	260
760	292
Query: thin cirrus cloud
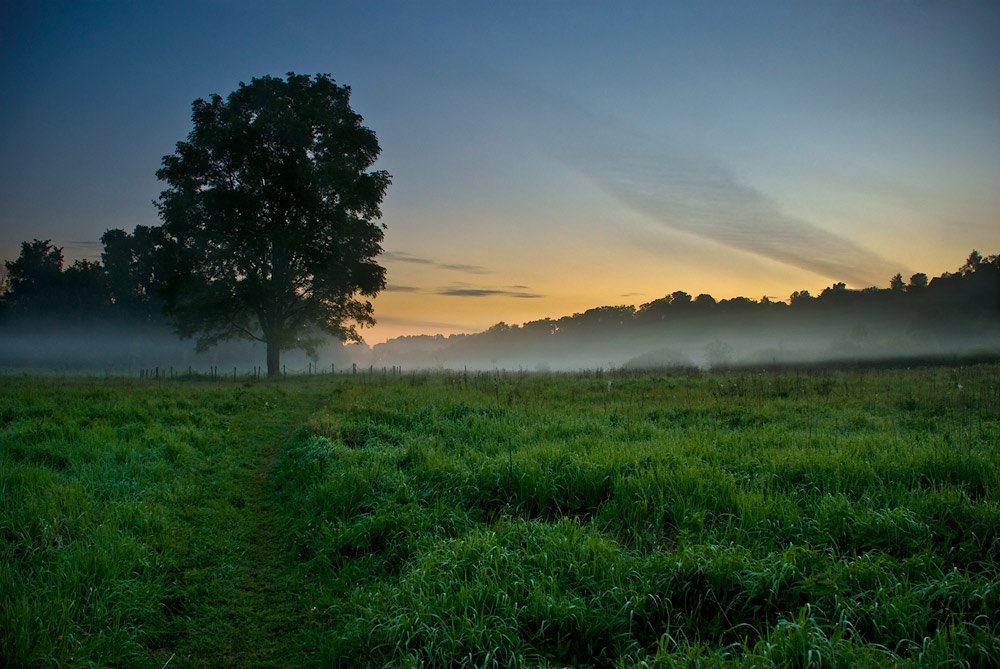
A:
690	191
485	292
397	256
694	196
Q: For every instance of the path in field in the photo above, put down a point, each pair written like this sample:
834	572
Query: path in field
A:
247	615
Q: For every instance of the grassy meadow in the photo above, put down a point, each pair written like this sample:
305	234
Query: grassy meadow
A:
824	518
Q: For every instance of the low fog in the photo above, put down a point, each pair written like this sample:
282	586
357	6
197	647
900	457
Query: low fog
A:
682	337
954	317
141	350
693	345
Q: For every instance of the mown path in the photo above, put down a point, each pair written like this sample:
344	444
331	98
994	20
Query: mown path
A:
237	579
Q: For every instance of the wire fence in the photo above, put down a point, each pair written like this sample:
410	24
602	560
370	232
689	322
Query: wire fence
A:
256	373
202	373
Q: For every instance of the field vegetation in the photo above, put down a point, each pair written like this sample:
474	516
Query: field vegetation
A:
742	518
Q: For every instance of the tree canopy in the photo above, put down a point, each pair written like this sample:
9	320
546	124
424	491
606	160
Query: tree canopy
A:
270	217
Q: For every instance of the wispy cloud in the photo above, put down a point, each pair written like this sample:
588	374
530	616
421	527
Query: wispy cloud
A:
486	292
689	191
693	195
398	256
406	257
392	288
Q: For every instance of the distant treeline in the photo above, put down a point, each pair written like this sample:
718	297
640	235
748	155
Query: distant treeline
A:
955	313
104	314
120	287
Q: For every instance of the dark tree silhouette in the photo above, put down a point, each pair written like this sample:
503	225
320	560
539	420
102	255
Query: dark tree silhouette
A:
680	300
34	279
84	290
130	271
41	292
917	282
972	264
118	258
270	217
800	298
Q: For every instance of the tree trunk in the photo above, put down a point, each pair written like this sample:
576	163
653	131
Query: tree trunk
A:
273	357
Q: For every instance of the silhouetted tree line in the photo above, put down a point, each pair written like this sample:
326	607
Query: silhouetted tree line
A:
121	291
959	309
118	289
104	314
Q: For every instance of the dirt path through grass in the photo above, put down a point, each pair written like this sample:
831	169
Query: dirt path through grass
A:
240	582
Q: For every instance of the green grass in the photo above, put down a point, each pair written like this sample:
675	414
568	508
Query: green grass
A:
130	522
733	519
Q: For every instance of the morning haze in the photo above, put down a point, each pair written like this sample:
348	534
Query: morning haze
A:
499	334
551	159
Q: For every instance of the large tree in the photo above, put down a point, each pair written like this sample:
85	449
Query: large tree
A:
271	217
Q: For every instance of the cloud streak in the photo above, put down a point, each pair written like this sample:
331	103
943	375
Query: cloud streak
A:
686	190
485	292
692	195
398	256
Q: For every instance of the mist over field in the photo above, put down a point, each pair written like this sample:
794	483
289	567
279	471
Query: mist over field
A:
698	343
950	318
682	346
137	350
499	334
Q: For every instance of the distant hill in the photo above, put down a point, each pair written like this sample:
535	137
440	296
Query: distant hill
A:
68	319
954	315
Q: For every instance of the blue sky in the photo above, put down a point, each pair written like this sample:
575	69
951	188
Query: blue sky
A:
548	156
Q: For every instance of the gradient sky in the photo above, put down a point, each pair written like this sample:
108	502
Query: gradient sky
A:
552	156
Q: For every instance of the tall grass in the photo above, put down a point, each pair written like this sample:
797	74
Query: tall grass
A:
123	516
829	518
825	519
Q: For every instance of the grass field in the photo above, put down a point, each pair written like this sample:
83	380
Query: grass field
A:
829	518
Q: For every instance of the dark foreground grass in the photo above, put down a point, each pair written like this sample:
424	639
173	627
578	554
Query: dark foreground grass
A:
829	519
135	529
740	519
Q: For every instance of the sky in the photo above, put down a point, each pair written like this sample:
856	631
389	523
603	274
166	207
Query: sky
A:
552	156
